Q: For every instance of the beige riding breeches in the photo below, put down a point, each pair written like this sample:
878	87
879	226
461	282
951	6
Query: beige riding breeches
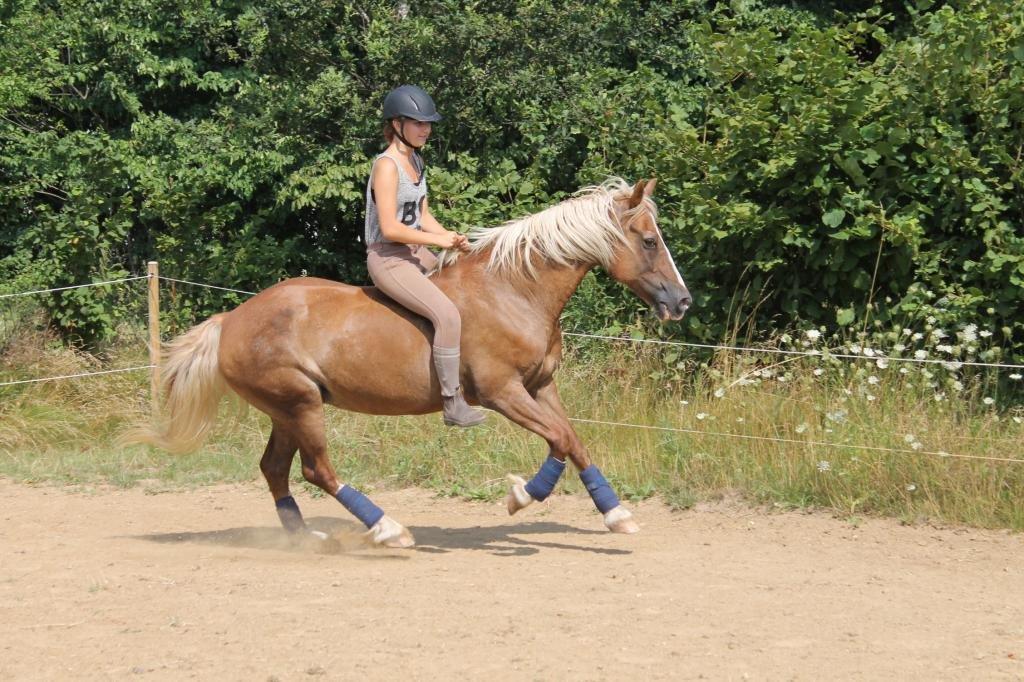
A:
400	271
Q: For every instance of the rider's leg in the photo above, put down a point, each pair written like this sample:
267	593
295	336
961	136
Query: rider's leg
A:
402	279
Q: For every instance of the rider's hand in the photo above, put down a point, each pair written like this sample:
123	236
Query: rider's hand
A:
462	242
447	240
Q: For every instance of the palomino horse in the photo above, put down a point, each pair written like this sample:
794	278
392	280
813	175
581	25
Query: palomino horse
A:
305	342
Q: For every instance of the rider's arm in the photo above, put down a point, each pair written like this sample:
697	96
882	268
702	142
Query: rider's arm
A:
385	192
429	223
427	220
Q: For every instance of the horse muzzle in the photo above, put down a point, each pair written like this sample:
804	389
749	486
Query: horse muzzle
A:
671	303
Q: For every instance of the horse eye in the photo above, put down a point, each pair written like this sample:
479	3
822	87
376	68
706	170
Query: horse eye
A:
650	242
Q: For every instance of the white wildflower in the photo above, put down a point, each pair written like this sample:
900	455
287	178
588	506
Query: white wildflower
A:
740	420
684	403
783	379
938	334
837	416
899	348
984	333
855	349
911	487
872	380
1017	420
939	397
702	416
719	392
909	438
800	428
916	445
904	370
870	398
907	331
971	332
920	354
870	352
917	336
957	385
1015	376
881	363
944	348
812	334
988	400
819	371
952	366
824	466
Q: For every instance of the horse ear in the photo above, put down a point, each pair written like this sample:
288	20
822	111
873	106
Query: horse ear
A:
649	188
638	194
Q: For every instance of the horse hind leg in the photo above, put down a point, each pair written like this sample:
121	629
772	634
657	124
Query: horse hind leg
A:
276	464
318	470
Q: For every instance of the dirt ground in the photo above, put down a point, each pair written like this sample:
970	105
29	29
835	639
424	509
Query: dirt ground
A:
203	584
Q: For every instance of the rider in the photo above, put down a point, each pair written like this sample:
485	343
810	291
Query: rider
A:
399	227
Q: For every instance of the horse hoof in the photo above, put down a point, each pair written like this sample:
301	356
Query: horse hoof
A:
390	533
620	520
517	498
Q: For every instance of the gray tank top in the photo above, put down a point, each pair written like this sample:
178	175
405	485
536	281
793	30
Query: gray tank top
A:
411	196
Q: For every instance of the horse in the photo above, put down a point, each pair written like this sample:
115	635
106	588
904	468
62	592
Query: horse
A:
306	342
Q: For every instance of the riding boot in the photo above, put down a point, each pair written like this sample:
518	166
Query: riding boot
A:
456	411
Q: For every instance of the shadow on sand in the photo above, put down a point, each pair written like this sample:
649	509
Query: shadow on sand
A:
506	540
346	537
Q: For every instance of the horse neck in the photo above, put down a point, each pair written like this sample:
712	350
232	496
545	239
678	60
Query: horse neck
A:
547	293
554	286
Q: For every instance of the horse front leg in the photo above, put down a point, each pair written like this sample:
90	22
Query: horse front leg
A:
546	417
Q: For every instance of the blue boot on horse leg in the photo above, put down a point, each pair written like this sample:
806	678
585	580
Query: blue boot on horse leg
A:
316	468
522	493
381	528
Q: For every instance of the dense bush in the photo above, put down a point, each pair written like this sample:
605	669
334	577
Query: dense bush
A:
821	163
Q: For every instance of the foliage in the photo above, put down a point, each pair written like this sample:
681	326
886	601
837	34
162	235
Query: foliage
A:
833	163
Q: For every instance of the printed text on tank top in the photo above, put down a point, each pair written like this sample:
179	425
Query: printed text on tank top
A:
411	200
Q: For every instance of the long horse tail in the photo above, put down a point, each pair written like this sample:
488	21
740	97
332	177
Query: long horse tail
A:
192	385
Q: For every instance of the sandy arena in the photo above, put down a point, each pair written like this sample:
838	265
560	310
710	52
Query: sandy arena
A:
203	584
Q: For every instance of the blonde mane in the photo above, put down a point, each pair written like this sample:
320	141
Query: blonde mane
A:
581	229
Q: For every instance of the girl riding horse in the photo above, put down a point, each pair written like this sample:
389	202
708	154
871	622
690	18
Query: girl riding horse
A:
399	227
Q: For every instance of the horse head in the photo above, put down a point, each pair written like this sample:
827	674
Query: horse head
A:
642	260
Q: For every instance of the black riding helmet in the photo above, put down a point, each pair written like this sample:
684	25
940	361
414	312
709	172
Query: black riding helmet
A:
409	101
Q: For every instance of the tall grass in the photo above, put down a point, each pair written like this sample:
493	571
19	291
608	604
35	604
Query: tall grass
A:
64	432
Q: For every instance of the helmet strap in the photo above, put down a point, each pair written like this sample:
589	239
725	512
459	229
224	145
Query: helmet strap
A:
401	135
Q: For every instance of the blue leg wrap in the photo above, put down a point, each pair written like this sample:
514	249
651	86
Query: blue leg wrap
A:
601	493
288	512
541	485
360	505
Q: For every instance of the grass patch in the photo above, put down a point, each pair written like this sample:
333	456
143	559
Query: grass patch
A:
63	432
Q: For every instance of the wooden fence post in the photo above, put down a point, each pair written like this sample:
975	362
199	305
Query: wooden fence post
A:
153	270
